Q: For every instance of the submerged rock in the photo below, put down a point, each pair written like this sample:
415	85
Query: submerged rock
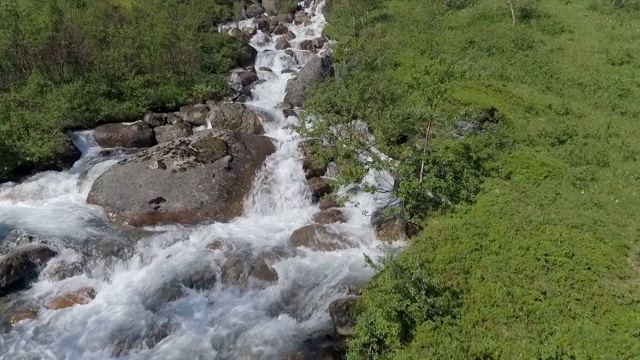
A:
319	238
127	339
329	216
21	266
137	135
78	297
24	315
204	177
240	270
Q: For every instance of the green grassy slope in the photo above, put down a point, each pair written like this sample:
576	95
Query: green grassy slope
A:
543	264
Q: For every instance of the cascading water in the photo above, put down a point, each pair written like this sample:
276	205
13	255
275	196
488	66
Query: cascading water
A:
132	278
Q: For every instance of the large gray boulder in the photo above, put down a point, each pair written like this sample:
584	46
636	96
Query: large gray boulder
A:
22	265
194	114
137	135
234	117
204	177
319	238
173	131
316	70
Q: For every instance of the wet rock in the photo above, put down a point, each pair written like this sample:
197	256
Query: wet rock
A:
247	77
249	32
282	44
289	112
286	18
158	295
253	10
318	43
316	70
216	245
15	240
306	45
300	19
234	117
327	202
238	34
203	278
341	311
261	23
239	269
63	270
23	316
287	71
321	347
354	290
194	114
173	131
319	238
127	339
21	266
313	168
173	118
389	227
329	216
319	187
206	177
137	135
78	297
154	119
289	36
280	29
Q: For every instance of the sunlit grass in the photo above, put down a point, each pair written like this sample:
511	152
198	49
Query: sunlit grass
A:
541	262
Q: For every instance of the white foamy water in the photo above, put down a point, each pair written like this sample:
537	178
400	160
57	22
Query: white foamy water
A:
223	322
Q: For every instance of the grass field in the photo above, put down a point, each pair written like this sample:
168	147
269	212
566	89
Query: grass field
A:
543	262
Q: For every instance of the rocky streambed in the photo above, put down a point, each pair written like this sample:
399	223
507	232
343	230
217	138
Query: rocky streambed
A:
203	233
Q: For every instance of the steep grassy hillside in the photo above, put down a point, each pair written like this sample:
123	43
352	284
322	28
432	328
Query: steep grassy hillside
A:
539	260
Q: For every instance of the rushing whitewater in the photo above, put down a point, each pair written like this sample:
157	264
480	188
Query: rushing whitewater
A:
131	268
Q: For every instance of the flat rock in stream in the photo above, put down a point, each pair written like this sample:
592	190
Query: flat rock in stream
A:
204	177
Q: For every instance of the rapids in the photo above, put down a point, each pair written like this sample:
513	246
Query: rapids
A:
225	322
